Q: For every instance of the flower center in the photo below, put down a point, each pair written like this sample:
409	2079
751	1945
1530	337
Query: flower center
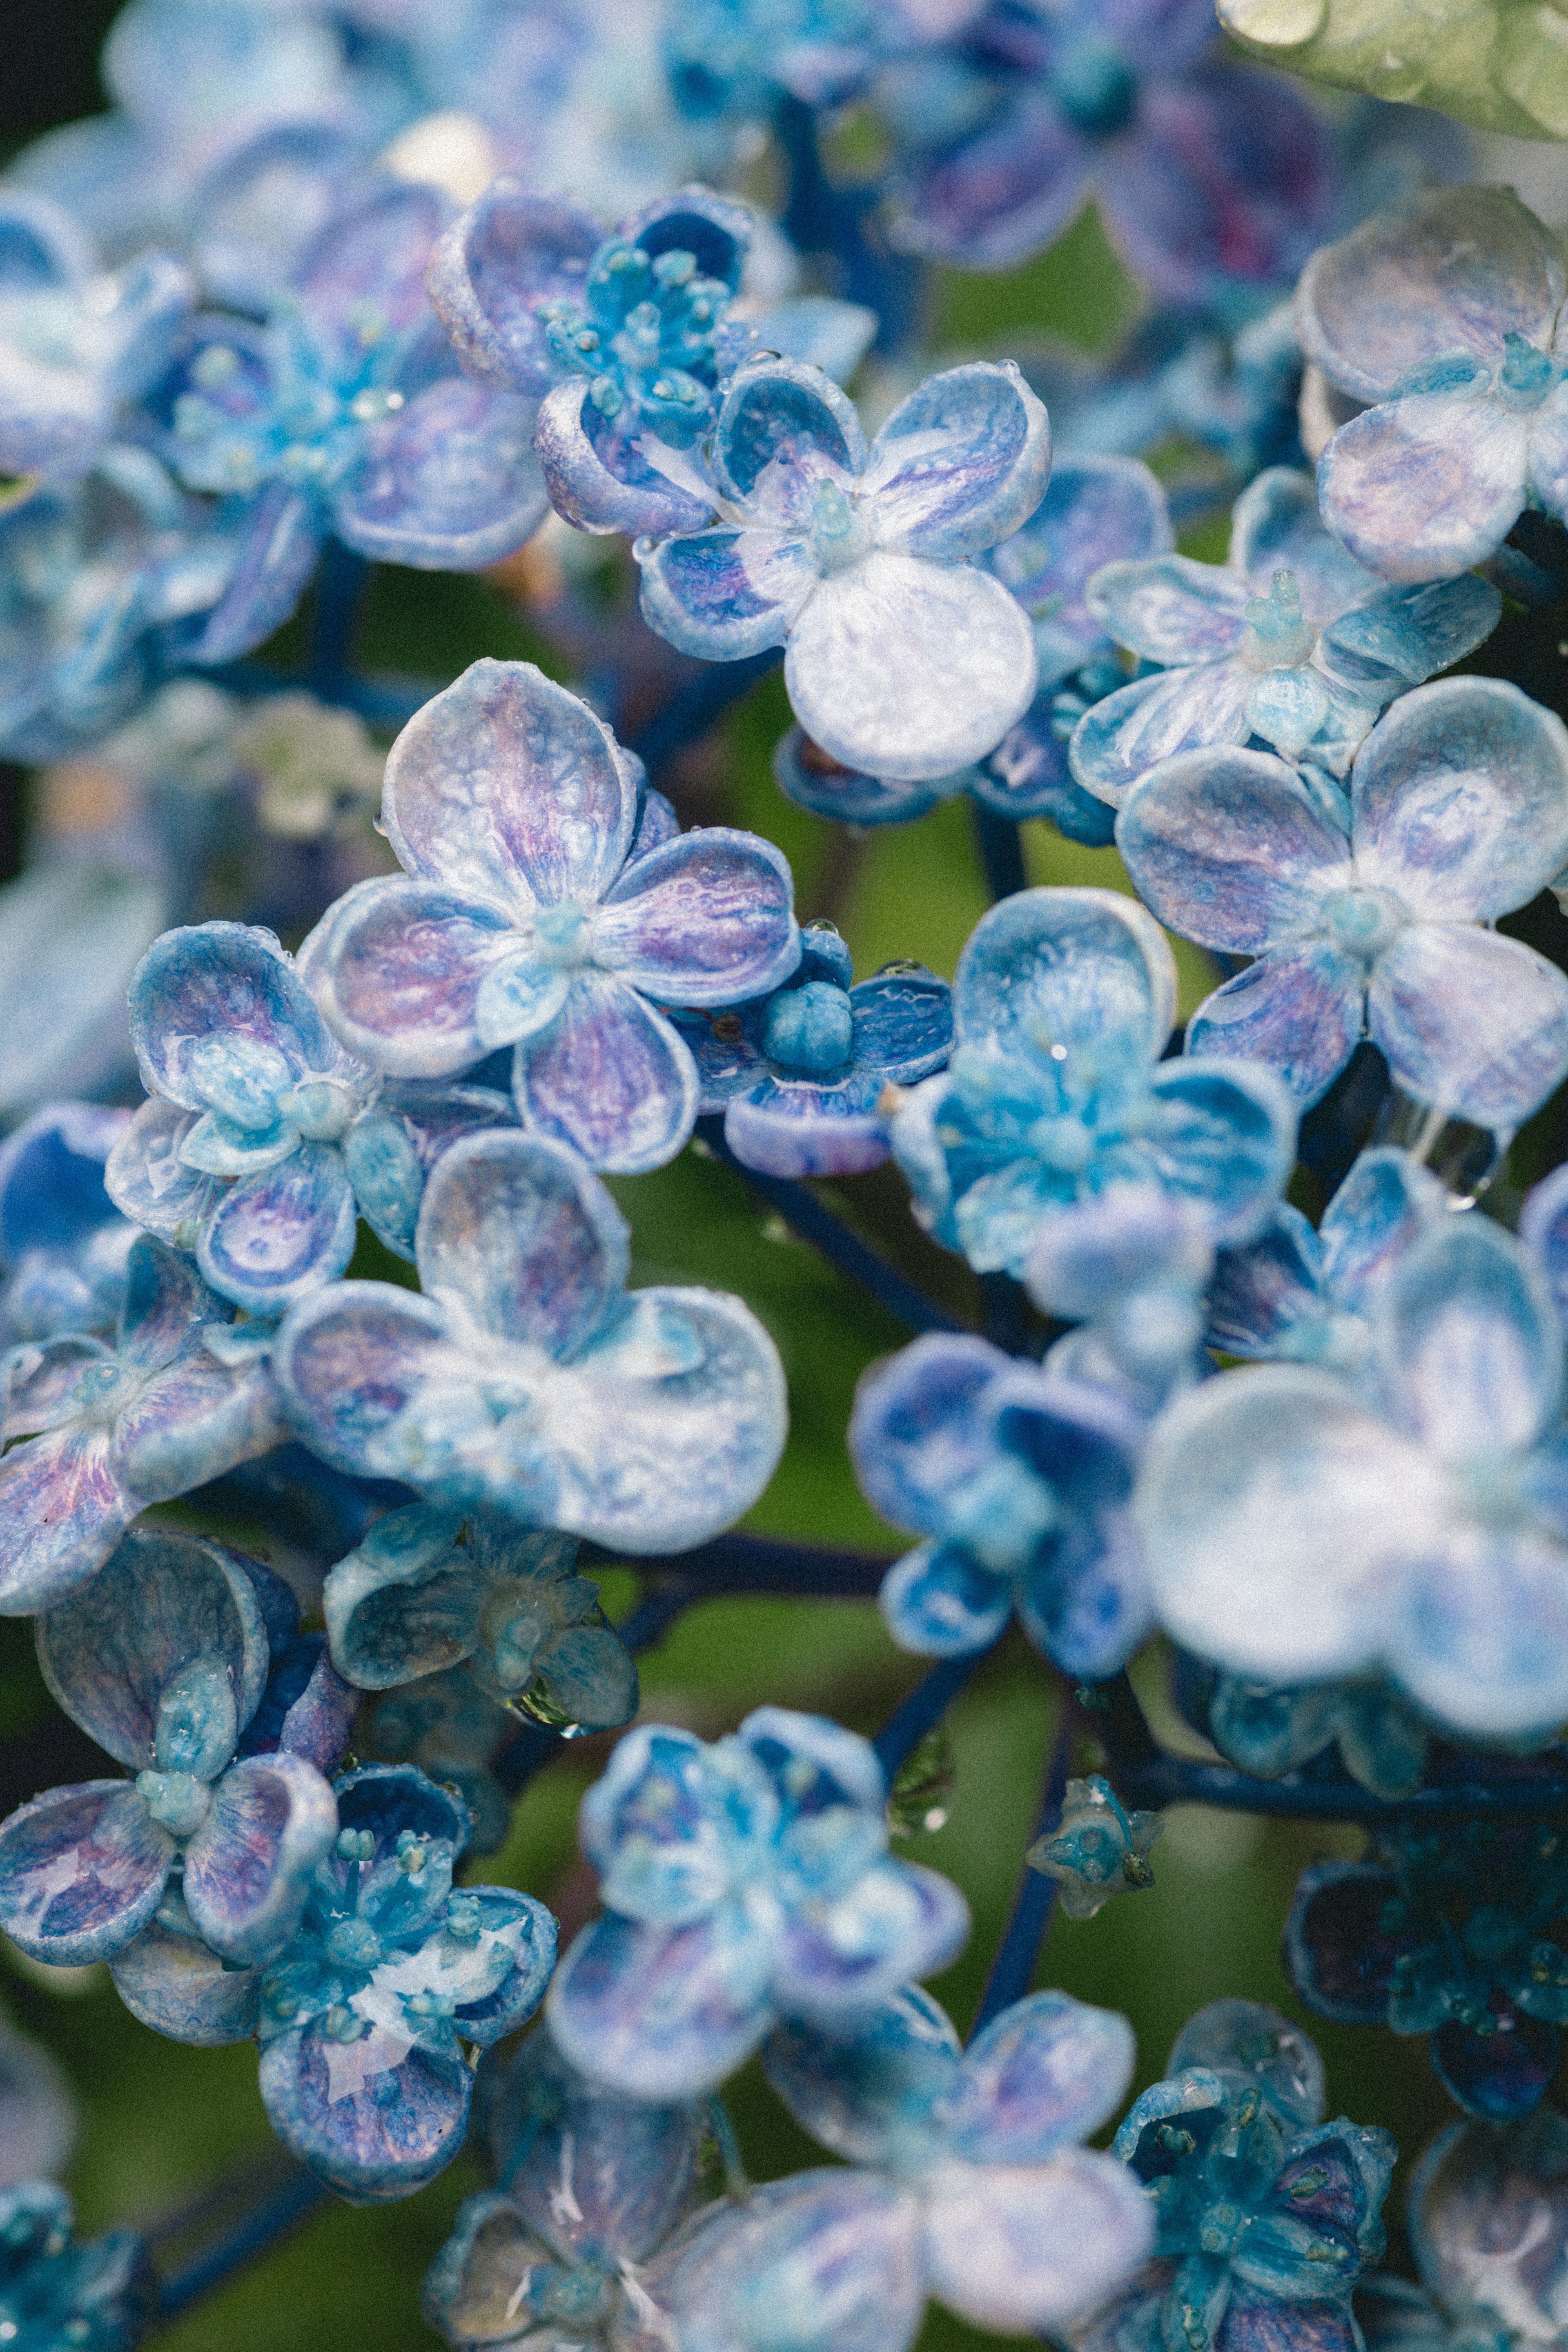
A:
1278	636
177	1801
1363	922
351	1944
562	935
1527	373
100	1391
1095	87
839	536
809	1028
578	2299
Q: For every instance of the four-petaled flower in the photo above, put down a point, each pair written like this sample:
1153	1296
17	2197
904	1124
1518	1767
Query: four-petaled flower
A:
1097	1849
1487	2222
58	2296
63	1244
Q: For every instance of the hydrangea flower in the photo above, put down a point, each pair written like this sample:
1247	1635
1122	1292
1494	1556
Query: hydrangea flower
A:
1458	812
1020	1484
63	1244
525	1379
428	1588
163	1660
106	1430
1210	177
1095	510
737	60
263	1141
76	346
1441	313
1062	1004
1498	66
361	2017
1458	1931
964	2182
742	1882
1268	1729
1300	1528
346	414
57	2296
901	657
1487	2227
1289	641
798	1075
1097	1849
528	914
585	2236
1266	2216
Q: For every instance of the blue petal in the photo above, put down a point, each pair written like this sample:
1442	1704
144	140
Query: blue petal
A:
195	1419
1471	1021
617	476
277	1235
1095	512
1247	2038
723	594
1479	1636
516	1227
1048	2071
1083	969
148	1180
1385	1203
1170	609
611	1077
805	774
786	1128
1267	1298
834	2256
781	430
876	2086
277	539
1543	1229
349	1359
1468	1343
81	1871
449	484
1229	848
1036	2246
491	270
896	1922
1470	2175
1427	485
704	919
1030	774
662	2013
904	1024
1222	1134
940	1603
249	1867
215	986
1501	2074
959	463
170	1980
398	2117
1175	715
630	2167
402	967
1298	1012
920	1430
666	1831
405	1603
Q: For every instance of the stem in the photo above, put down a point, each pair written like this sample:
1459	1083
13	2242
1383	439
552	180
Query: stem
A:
1036	1899
383	702
1333	1796
1001	847
339	585
253	2234
923	1711
697	707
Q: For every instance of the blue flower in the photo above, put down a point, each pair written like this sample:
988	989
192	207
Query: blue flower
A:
1484	2280
525	1381
1459	1932
1303	1527
901	656
1266	2216
361	2018
428	1588
529	912
1441	313
734	59
60	2296
104	1430
1457	813
163	1659
964	2182
742	1883
264	1140
1062	1004
1268	1729
63	1244
1289	642
799	1074
1020	1484
1211	177
346	414
585	2236
1095	509
1098	1848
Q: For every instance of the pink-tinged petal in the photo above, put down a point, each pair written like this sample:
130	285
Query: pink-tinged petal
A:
1460	800
508	787
611	1077
372	259
1471	1023
351	1358
1029	2247
223	981
959	463
662	2013
247	1867
608	476
278	1234
401	972
492	268
1169	608
375	2118
516	1228
1229	848
783	430
149	1182
1000	197
62	1510
1424	487
1141	726
172	1982
165	1297
907	669
81	1871
704	919
447	484
1452	271
838	2250
1050	2069
723	594
195	1419
1298	1011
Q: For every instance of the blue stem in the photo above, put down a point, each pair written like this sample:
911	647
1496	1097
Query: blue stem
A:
1334	1796
696	707
384	701
807	1216
923	1711
1036	1899
1001	847
254	2234
340	583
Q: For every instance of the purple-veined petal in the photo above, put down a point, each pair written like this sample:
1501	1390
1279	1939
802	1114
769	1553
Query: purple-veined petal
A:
367	267
608	476
1153	720
940	1603
630	2167
166	1299
1169	608
1280	1519
1229	848
1298	1011
611	1077
902	1024
402	971
348	1360
160	1601
1096	511
171	1982
275	557
81	1871
1276	522
193	1421
491	270
1422	488
1033	2245
1048	2071
1469	1342
910	669
724	593
1481	1639
448	483
1470	1021
1454	270
782	430
1001	196
514	1225
705	919
62	1510
918	1432
223	982
785	1127
1084	969
838	2251
959	463
876	2083
898	1921
663	2012
1385	1203
277	1235
375	2119
247	1867
507	786
1262	1294
147	1179
1221	1134
1459	800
